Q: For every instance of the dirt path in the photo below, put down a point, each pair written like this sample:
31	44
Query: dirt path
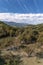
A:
32	61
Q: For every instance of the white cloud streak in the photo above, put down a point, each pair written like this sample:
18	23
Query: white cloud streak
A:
22	18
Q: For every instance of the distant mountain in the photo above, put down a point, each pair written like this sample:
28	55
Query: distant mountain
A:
16	24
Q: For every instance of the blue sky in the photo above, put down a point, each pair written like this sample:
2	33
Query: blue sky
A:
22	11
21	6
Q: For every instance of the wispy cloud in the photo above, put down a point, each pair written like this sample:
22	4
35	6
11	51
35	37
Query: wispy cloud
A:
22	18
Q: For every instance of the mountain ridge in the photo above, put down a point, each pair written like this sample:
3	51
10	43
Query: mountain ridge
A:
16	24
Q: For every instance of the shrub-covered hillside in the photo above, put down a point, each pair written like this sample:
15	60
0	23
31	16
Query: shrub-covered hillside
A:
7	34
6	30
26	35
17	44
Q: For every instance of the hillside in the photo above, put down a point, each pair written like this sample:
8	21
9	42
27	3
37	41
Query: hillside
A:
27	35
18	43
